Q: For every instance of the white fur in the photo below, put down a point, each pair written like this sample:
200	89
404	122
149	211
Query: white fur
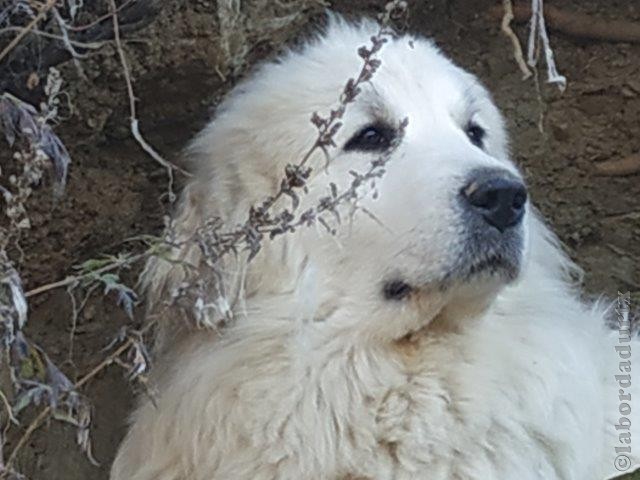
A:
318	376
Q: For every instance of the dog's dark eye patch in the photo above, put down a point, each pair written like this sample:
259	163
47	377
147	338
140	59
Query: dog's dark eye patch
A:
476	134
376	137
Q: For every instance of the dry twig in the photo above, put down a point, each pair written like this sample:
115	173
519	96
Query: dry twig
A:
18	38
74	279
135	130
48	410
579	25
507	5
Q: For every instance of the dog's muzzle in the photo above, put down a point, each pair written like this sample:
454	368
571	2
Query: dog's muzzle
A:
492	204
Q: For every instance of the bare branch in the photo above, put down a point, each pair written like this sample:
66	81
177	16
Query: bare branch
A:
41	14
517	48
168	166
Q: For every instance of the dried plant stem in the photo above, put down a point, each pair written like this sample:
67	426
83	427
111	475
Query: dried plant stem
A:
135	129
581	25
540	100
263	223
7	406
76	278
98	20
18	38
51	286
507	18
111	358
33	426
41	33
45	412
76	310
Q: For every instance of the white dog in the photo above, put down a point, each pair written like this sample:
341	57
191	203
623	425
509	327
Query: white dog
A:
437	337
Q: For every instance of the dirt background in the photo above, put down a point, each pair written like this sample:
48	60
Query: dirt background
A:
115	190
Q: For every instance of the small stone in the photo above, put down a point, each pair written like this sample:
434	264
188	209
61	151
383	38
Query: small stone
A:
628	93
33	81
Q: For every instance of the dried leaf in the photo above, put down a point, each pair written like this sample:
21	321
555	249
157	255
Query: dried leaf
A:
21	120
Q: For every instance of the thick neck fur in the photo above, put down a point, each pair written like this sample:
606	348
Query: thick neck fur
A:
310	375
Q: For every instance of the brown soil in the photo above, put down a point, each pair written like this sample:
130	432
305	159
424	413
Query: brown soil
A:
114	188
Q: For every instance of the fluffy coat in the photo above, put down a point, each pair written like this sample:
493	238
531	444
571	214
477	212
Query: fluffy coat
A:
319	376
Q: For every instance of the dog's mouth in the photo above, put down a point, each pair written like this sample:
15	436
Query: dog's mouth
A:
483	260
492	270
498	265
487	258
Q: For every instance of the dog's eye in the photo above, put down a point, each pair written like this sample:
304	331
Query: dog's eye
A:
476	134
372	138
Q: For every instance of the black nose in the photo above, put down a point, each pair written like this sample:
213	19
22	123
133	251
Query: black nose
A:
497	196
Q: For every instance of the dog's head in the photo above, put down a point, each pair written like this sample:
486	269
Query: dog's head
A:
444	225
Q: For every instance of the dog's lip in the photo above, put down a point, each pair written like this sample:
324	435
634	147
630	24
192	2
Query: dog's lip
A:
496	266
492	262
487	253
